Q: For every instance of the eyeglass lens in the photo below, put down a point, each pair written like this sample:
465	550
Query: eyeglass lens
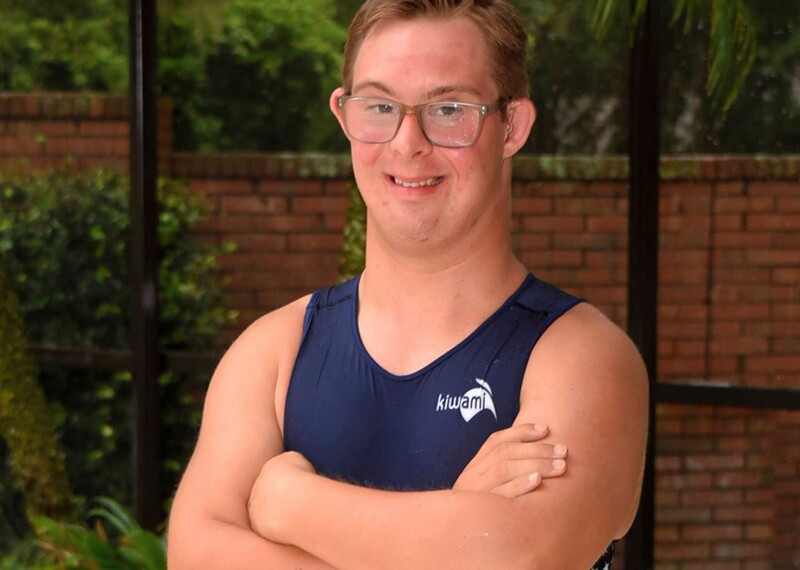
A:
444	124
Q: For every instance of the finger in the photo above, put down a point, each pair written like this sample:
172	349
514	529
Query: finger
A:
510	470
518	433
518	486
511	451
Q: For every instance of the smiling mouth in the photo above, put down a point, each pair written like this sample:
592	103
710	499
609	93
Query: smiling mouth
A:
419	183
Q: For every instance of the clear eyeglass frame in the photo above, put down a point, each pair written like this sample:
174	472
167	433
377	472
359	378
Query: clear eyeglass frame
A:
484	110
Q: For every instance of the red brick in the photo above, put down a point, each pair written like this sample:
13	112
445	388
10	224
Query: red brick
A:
315	242
711	532
337	187
785	240
334	222
105	129
773	257
773	188
729	223
742	239
531	205
583	241
741	550
613	225
786	275
711	498
253	205
553	224
717	462
585	206
670	223
773	364
758	532
526	241
229	225
682	481
788	204
738	479
740	311
742	275
744	205
667	463
222	186
320	205
682	551
20	146
739	346
290	223
774	223
743	514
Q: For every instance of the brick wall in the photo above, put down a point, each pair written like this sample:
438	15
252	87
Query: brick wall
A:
56	130
729	291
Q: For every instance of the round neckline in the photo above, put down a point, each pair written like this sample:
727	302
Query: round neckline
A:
511	300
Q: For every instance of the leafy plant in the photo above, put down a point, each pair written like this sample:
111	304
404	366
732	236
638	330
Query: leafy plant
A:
25	423
65	239
733	44
290	54
353	256
115	542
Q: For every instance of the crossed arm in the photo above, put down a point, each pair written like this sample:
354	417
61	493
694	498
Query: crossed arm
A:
243	503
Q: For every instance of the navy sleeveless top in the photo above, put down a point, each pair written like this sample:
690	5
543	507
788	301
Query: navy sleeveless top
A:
356	422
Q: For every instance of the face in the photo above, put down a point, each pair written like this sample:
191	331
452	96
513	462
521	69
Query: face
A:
417	193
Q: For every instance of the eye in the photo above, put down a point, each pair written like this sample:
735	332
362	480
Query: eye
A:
378	107
447	111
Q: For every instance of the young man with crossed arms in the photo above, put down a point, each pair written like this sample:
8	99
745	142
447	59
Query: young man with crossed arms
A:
407	419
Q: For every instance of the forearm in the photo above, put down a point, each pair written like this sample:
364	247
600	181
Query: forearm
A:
356	527
214	544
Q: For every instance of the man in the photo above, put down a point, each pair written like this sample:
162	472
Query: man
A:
370	425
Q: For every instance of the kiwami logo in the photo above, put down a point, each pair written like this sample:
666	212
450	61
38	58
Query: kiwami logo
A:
473	401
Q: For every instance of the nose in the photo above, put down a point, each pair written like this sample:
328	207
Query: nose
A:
410	140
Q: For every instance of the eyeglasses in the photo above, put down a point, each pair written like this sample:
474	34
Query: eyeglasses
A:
444	123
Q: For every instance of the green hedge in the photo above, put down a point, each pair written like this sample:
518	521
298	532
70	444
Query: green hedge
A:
65	237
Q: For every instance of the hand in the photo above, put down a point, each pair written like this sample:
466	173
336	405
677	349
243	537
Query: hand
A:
272	491
513	462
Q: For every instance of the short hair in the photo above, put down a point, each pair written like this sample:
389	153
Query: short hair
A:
499	22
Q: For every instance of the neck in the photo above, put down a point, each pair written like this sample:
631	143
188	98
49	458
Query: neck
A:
439	284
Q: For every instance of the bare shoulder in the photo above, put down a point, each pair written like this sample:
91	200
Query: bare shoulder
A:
586	380
590	349
264	351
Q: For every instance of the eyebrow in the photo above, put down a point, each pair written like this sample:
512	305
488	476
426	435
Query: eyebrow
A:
435	92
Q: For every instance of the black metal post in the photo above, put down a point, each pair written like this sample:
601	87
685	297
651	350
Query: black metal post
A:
643	254
144	217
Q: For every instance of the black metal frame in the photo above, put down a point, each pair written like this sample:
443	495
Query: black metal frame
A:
644	155
146	364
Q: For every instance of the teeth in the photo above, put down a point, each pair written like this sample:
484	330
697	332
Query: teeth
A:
421	183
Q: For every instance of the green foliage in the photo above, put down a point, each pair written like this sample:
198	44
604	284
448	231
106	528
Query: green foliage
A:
76	45
116	542
65	238
269	75
733	39
25	422
248	75
353	255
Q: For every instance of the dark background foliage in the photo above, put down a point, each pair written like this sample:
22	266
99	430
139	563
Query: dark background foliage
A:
64	237
254	75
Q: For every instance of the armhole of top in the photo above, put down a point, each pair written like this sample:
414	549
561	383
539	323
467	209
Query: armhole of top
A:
559	312
309	316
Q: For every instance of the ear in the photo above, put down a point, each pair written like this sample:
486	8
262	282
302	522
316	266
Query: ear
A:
520	116
333	103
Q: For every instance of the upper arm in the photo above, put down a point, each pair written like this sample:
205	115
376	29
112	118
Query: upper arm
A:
239	430
586	381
